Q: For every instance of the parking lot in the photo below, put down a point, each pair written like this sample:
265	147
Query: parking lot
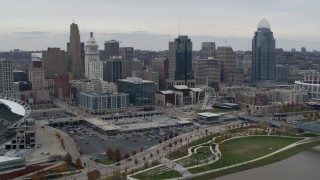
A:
96	144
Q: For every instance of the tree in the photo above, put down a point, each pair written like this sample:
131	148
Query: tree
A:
127	155
151	155
78	163
170	146
206	132
38	176
134	152
171	135
93	175
68	158
110	153
136	161
141	149
165	138
181	142
160	141
117	155
176	134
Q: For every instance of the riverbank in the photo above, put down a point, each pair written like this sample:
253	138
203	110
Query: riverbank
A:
268	160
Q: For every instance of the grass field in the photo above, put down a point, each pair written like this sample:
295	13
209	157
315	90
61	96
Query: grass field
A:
246	148
159	173
106	161
277	157
205	149
177	154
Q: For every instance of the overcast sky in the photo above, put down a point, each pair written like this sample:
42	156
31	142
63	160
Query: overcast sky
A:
149	24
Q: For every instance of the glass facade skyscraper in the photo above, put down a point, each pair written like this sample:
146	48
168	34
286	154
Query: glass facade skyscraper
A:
180	59
263	54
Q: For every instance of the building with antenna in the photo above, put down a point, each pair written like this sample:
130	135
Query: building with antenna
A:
180	62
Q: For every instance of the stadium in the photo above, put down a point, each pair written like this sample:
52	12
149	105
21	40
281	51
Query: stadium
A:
12	123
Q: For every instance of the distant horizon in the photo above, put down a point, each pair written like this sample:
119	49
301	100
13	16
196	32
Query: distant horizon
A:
34	25
129	39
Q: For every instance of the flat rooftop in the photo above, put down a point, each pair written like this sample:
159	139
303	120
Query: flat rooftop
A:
209	114
107	126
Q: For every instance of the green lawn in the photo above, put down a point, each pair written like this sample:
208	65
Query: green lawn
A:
158	176
106	161
277	157
177	154
205	149
202	140
245	149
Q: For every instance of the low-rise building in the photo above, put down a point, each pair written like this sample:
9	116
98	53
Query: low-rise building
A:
102	102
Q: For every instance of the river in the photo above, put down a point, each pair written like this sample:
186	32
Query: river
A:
305	166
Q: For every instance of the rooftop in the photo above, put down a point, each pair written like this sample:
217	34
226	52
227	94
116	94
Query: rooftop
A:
14	107
6	158
135	80
208	114
264	24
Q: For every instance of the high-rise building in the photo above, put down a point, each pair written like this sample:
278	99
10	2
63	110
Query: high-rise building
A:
147	75
282	73
126	53
161	66
7	87
227	59
54	62
36	78
111	48
93	65
180	62
113	69
207	71
208	49
141	92
36	60
76	63
263	54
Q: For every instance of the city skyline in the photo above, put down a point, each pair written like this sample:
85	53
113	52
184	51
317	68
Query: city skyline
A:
34	26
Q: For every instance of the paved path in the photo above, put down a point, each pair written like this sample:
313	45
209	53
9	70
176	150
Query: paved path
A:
177	167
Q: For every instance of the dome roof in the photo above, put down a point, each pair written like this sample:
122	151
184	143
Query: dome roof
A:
264	24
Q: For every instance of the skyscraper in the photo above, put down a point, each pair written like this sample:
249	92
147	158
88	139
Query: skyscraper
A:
126	53
93	65
180	61
263	54
76	63
7	87
111	48
227	59
208	49
54	62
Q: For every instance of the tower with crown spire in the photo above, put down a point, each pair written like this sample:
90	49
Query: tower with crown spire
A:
93	65
263	54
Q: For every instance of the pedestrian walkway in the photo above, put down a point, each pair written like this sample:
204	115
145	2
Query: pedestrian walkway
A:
177	167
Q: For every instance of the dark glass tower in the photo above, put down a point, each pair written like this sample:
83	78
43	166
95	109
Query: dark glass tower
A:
263	54
180	59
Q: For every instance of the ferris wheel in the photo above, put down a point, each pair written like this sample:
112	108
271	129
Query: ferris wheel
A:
206	98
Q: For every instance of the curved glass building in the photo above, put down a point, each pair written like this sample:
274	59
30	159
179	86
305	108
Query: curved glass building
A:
263	54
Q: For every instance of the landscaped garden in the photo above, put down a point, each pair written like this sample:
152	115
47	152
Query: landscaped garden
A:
158	173
243	149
